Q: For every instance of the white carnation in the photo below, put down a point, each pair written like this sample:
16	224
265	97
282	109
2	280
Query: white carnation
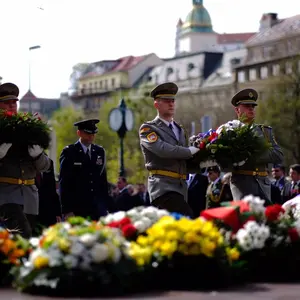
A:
88	239
255	203
99	253
118	216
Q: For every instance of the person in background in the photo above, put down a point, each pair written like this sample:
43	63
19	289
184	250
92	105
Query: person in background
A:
49	203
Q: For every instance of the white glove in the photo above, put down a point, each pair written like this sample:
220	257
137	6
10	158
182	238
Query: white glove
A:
35	151
194	150
4	148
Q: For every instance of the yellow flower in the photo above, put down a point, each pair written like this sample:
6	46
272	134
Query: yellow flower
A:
173	235
233	253
208	247
185	225
142	240
142	255
40	262
191	237
63	244
168	248
207	228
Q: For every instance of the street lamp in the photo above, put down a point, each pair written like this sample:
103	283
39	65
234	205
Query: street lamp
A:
121	120
29	73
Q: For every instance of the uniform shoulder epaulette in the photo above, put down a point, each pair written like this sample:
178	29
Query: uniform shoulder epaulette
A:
69	147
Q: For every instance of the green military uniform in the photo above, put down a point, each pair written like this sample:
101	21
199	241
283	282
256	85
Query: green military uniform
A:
166	158
252	178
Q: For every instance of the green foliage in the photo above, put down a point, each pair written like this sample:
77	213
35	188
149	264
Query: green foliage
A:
23	129
133	159
281	110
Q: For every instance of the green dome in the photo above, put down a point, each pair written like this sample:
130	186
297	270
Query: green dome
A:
198	20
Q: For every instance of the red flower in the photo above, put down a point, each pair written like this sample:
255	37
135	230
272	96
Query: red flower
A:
9	114
128	230
213	136
273	211
113	224
202	145
124	222
293	234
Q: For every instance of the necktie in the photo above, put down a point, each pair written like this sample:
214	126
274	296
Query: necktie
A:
87	153
171	126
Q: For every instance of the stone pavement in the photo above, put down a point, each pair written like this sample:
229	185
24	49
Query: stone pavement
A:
249	292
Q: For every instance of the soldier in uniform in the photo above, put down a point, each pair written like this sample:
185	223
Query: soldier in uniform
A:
215	187
252	178
83	181
165	148
18	193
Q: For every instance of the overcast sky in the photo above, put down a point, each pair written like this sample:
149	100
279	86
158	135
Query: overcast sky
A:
72	31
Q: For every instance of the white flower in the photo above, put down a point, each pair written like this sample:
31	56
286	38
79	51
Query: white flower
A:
88	239
150	212
99	253
71	261
147	222
253	236
162	213
34	242
77	249
140	226
114	252
118	216
255	203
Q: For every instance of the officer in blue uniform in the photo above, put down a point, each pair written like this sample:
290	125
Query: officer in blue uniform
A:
83	180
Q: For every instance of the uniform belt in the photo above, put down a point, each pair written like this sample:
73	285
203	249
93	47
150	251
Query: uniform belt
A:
251	173
168	174
17	181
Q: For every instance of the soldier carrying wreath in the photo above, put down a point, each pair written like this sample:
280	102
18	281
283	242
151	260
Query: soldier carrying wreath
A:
22	140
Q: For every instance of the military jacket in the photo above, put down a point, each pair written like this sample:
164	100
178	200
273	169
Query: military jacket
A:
83	182
162	151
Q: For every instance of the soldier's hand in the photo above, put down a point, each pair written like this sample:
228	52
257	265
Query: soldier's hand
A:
194	150
4	149
35	150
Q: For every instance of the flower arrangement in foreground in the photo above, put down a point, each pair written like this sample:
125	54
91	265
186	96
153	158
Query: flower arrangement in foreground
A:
179	247
77	258
134	221
268	238
12	249
231	145
23	129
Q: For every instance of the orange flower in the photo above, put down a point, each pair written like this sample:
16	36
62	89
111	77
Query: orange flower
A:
7	246
4	234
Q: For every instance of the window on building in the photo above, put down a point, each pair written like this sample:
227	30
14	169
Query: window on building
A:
113	83
264	72
252	74
241	76
105	84
276	70
288	68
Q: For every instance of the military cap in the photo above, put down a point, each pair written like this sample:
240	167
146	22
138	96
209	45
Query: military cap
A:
166	90
8	91
214	169
88	126
246	96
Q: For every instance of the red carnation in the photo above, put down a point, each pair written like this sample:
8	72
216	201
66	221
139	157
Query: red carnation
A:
273	211
213	136
113	224
202	145
128	230
124	222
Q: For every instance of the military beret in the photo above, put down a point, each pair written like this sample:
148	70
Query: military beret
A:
88	126
8	91
166	90
246	96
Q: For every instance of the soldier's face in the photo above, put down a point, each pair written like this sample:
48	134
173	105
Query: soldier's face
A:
9	105
86	138
166	107
246	110
294	175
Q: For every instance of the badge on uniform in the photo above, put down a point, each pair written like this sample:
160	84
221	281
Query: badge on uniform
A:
99	160
152	137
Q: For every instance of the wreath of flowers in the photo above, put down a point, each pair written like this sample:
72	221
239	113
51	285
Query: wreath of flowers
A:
23	128
268	238
77	258
13	248
232	144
